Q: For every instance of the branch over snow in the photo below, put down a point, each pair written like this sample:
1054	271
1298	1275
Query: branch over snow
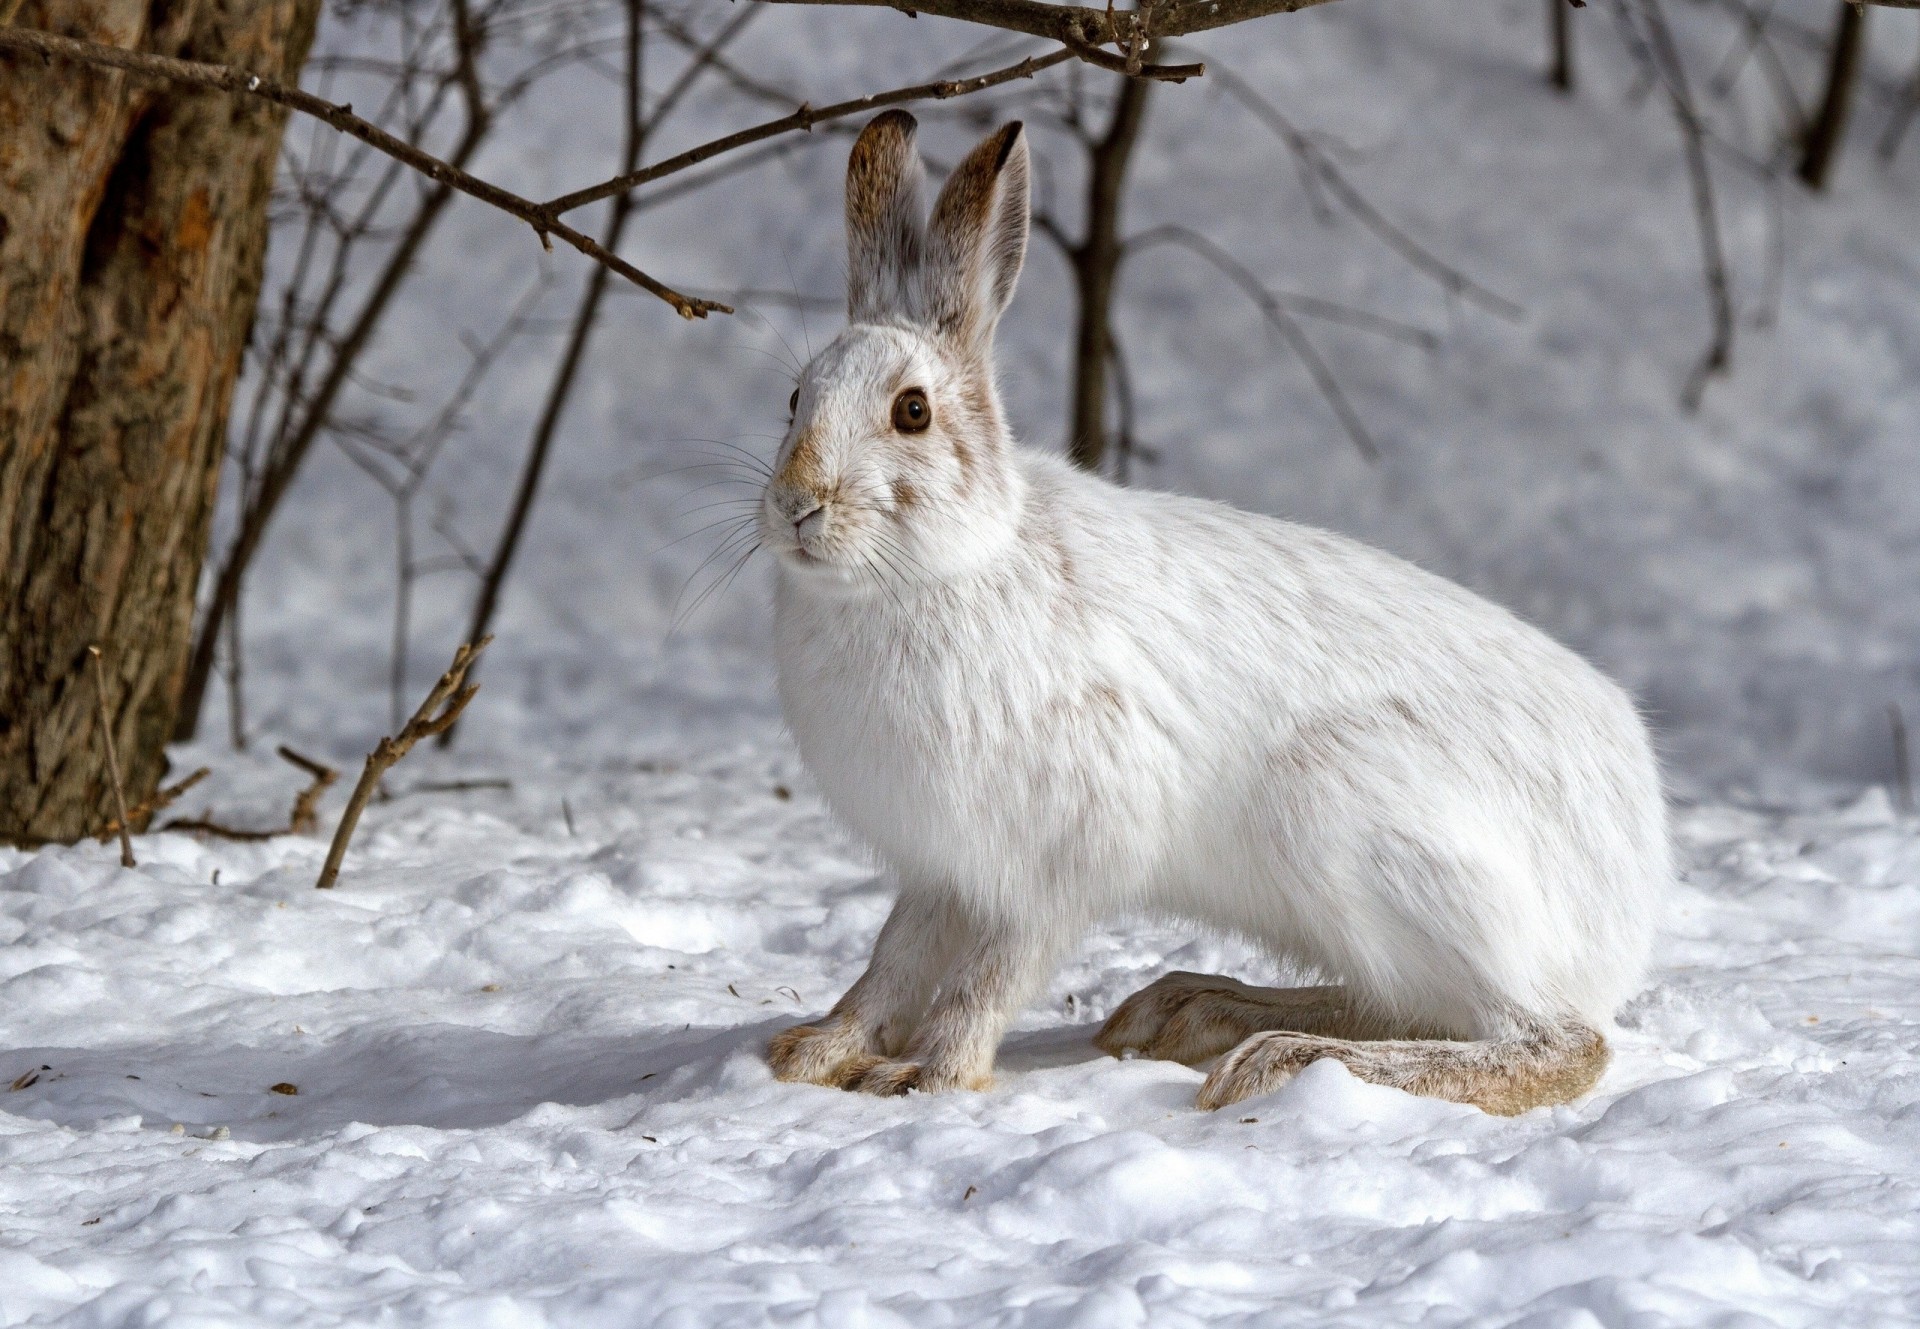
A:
441	708
1078	25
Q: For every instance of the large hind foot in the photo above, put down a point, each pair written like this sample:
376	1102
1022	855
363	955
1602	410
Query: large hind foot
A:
1504	1076
1193	1017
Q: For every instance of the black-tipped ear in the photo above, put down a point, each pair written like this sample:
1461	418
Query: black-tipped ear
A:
978	239
885	234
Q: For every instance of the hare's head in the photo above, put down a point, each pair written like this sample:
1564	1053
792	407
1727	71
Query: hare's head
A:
896	466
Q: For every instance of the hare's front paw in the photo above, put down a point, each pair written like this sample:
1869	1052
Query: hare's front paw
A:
836	1055
889	1079
1177	1017
1263	1063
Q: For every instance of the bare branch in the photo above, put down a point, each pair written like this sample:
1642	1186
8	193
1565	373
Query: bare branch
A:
1087	25
1096	262
1902	116
1666	63
1308	306
305	817
1829	126
140	812
638	128
302	820
441	708
1276	314
224	78
806	117
1314	159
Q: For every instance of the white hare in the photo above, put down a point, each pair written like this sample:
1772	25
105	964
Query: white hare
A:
1046	701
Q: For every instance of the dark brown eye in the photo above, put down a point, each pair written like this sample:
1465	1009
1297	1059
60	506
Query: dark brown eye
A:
793	402
911	413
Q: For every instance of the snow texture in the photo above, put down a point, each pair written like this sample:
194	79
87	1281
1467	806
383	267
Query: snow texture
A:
531	1092
525	1034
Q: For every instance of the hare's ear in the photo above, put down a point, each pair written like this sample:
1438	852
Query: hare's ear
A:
885	234
979	239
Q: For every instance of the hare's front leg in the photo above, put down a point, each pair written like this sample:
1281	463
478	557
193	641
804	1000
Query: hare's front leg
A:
998	969
879	1012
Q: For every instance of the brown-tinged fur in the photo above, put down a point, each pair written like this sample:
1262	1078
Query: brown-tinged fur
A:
1193	1018
884	235
1503	1076
1270	1034
965	243
802	469
832	1054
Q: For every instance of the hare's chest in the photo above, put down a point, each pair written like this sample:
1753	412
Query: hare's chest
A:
902	716
957	760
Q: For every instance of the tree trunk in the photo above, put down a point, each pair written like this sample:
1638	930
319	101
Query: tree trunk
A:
133	225
1096	263
1560	40
1830	122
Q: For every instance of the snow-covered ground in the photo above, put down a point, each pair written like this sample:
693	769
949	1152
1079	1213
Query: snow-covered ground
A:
525	1032
531	1092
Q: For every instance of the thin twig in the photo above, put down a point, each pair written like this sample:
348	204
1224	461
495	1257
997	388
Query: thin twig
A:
1902	762
441	708
305	817
450	787
163	798
806	117
1666	63
220	830
113	757
1092	25
638	129
1273	308
1322	167
223	78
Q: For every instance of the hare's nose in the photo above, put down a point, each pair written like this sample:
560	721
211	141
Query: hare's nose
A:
807	524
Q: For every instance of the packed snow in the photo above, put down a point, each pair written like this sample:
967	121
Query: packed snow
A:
510	1072
531	1091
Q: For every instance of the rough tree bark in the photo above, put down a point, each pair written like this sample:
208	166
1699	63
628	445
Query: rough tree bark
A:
133	226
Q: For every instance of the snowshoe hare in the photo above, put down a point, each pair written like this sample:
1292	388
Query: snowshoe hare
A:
1046	701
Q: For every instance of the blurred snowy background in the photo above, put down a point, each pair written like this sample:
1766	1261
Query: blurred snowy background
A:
1744	569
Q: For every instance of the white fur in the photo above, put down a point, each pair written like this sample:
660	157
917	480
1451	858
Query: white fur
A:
1047	701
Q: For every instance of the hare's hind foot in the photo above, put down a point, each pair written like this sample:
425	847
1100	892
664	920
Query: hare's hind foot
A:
1192	1018
1502	1076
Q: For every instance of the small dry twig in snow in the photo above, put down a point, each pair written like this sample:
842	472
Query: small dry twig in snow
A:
441	708
305	817
141	811
113	757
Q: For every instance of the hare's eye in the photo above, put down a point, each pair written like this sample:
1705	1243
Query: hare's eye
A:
911	413
793	402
